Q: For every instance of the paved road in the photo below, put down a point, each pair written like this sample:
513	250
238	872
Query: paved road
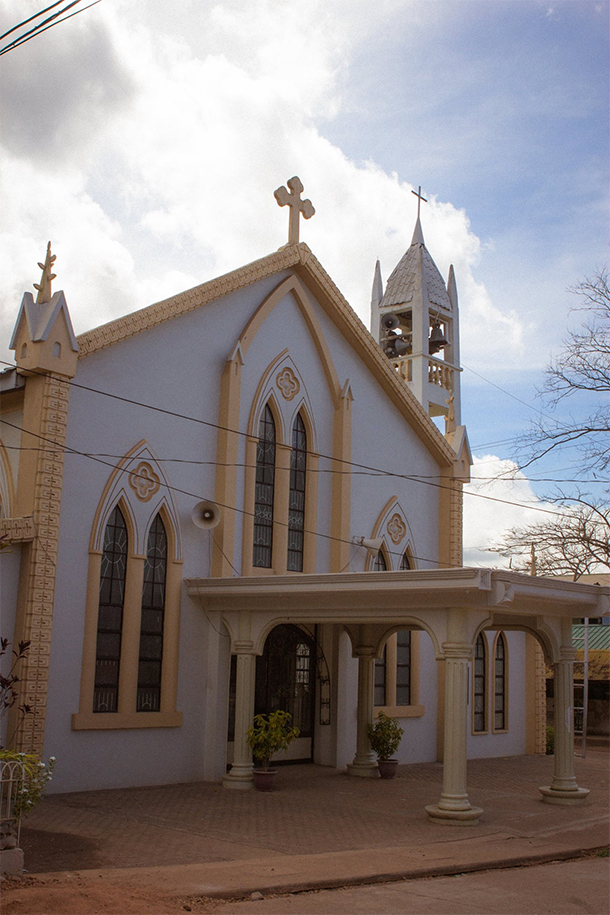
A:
569	888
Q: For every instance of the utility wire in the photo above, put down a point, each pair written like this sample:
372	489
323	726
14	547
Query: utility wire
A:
42	26
416	477
361	467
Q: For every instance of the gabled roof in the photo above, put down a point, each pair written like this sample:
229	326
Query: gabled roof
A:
41	318
415	269
300	258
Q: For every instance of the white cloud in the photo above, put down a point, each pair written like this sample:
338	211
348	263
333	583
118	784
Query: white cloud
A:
166	129
509	501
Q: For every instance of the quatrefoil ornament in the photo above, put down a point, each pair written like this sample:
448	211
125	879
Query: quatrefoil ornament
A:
144	482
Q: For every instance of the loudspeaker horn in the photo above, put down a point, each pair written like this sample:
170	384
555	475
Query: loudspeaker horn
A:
206	515
373	546
390	322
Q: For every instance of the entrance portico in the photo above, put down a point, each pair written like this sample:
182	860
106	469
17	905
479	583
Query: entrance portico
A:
452	606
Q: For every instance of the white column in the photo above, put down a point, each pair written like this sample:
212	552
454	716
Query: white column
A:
454	807
240	775
365	761
563	788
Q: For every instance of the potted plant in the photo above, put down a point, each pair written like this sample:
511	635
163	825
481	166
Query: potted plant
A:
269	734
384	737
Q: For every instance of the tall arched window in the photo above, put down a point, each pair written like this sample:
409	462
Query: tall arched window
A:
479	722
110	614
264	492
500	684
296	505
405	562
151	626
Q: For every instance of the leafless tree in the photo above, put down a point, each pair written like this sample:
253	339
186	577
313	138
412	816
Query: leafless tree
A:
578	540
574	544
583	365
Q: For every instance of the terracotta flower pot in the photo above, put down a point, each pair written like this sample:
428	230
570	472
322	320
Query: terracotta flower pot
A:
387	767
264	779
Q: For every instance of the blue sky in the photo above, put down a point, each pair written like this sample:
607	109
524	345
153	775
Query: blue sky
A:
146	139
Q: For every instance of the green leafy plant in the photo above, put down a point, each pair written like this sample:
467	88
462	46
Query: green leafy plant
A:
385	736
269	734
36	774
8	689
550	741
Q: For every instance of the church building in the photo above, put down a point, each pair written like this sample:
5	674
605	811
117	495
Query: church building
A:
239	499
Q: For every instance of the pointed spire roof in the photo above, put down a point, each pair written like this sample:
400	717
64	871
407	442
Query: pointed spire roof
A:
377	290
418	235
416	268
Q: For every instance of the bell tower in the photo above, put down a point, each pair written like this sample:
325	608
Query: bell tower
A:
415	321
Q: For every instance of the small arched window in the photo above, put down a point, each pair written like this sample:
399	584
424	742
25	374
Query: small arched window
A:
296	505
110	614
379	563
500	684
151	626
264	492
480	686
405	562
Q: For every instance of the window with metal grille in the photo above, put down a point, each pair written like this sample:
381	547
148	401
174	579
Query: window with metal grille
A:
405	562
296	504
110	614
480	685
500	685
380	678
403	667
264	492
151	627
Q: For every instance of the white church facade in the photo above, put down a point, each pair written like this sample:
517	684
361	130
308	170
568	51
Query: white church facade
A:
237	499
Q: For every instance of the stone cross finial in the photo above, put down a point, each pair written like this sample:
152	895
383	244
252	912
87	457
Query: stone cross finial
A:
297	206
44	287
419	198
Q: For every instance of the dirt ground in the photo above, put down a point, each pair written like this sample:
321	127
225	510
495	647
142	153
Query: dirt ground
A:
65	894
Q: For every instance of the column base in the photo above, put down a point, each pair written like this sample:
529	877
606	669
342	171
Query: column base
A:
468	816
552	795
363	770
239	778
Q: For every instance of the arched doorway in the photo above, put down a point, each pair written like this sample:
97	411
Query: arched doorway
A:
285	679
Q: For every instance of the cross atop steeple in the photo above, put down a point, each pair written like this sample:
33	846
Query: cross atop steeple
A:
44	286
419	198
297	206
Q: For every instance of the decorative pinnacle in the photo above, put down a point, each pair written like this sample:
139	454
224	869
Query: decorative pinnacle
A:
44	287
297	206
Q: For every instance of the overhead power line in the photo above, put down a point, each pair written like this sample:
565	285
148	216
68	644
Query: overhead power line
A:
42	26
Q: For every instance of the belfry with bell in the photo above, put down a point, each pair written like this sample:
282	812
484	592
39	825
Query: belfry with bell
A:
415	321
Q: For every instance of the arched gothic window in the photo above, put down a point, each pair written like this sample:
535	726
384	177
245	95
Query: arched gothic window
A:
479	723
151	626
393	668
296	505
110	614
405	562
264	492
500	684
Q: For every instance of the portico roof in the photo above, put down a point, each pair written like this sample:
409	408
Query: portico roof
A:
373	596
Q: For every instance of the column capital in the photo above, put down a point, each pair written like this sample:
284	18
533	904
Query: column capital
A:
243	646
567	653
463	650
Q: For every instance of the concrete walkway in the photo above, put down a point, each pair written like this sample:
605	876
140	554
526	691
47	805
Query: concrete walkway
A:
320	828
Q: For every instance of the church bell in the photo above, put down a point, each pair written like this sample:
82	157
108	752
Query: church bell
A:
437	339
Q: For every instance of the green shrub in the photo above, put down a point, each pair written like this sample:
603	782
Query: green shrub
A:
36	776
384	736
550	741
269	734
